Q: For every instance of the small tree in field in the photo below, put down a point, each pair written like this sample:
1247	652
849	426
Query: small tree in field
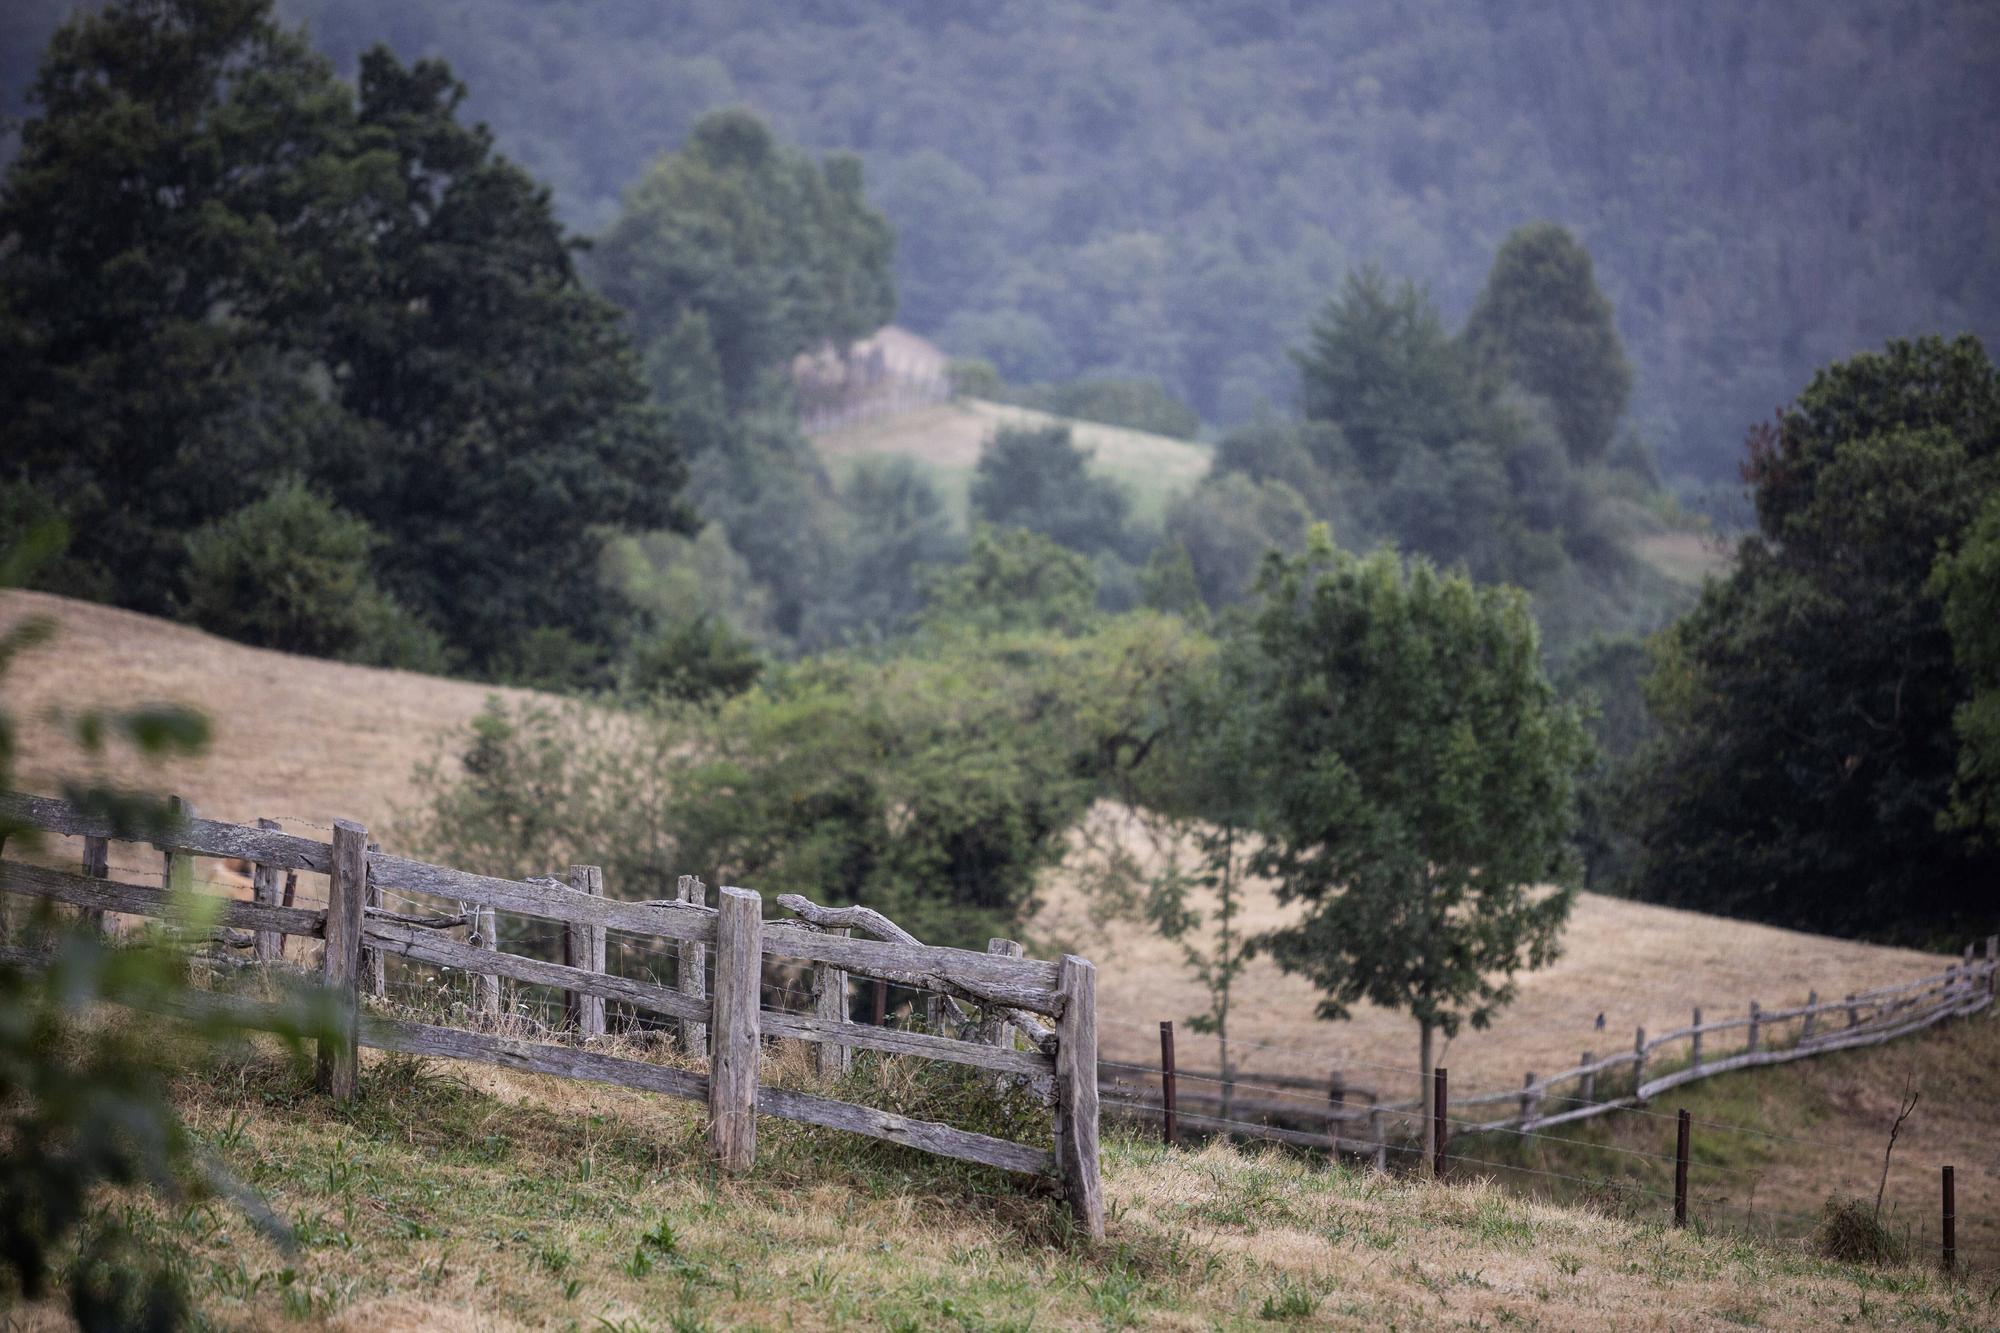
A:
1419	776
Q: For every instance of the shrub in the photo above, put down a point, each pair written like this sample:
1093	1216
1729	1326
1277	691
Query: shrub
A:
291	571
1850	1232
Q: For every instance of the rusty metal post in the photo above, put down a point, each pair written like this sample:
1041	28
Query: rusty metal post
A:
1170	1115
1950	1222
1440	1124
1681	1169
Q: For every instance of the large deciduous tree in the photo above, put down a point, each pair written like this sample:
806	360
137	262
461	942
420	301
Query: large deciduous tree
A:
1807	704
1420	780
224	269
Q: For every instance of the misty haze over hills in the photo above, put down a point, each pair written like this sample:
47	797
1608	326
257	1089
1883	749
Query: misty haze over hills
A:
1171	189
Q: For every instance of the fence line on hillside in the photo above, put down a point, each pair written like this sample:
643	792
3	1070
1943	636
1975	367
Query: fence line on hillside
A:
1348	1119
994	1002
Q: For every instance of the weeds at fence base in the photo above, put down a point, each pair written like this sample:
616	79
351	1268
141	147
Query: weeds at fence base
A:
1850	1232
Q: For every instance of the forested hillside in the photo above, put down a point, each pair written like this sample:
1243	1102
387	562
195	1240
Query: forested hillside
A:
1171	189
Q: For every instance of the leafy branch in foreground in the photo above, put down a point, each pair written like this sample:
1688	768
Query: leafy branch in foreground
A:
83	1096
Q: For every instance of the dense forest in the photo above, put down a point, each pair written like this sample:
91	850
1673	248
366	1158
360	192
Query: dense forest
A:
315	361
1169	190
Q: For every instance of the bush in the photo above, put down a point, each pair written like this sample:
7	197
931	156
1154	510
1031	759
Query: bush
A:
693	660
291	571
1850	1232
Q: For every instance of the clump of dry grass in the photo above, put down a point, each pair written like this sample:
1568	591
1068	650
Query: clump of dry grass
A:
1850	1232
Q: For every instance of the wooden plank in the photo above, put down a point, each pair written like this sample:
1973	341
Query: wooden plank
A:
835	1052
571	1062
944	1140
438	949
1021	983
105	895
265	888
734	1028
203	837
897	1041
583	949
909	969
530	1057
347	887
1076	1094
693	971
546	901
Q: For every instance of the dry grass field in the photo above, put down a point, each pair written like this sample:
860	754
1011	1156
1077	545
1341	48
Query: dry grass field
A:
292	736
946	440
302	738
463	1197
1634	963
459	1196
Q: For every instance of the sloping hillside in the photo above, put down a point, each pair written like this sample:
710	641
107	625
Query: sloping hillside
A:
1634	963
946	439
301	737
463	1197
292	735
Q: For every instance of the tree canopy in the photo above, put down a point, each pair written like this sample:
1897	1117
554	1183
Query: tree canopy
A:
1169	189
225	268
1419	775
1807	705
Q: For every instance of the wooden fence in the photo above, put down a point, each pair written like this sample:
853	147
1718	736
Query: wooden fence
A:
995	1001
1352	1120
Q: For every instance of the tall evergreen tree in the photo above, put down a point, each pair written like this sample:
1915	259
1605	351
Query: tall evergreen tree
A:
1542	323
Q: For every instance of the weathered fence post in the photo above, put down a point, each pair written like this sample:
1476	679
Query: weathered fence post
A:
485	934
1695	1045
96	865
1638	1061
1170	1119
1993	965
1950	1222
693	970
1528	1098
1853	1011
1756	1025
1681	1169
881	1004
1587	1085
1336	1110
830	1005
994	1029
1076	1093
1440	1124
1381	1139
732	1065
177	872
1812	1005
340	970
583	947
270	945
374	965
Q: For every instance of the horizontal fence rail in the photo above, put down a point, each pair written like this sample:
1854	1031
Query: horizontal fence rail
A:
1015	1018
1353	1120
